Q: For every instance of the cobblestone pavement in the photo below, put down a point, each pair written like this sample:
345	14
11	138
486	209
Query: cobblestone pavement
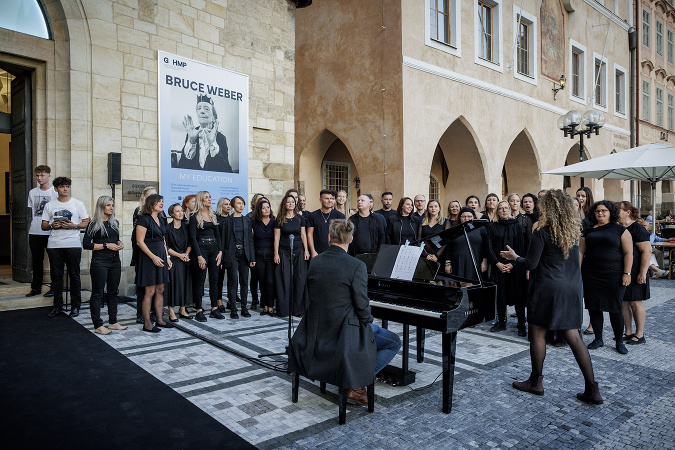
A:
227	381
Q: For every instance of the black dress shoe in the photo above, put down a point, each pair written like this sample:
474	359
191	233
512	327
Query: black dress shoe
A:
153	330
32	293
215	314
74	312
222	308
245	313
165	324
140	320
185	316
499	326
55	312
200	317
173	320
233	314
254	305
263	312
49	293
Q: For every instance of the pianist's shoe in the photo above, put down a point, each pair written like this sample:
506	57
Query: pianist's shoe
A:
533	385
499	326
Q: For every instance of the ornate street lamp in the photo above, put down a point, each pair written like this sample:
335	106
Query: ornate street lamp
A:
574	124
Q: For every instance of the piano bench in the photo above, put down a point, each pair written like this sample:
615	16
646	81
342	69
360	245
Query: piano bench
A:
342	397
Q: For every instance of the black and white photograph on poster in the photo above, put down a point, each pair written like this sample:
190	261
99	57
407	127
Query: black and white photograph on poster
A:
203	129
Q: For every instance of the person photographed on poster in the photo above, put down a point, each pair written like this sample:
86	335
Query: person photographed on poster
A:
205	147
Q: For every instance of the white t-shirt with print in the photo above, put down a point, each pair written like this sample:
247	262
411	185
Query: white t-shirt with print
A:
37	200
72	210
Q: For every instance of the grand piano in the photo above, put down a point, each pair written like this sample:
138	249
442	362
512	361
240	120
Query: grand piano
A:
430	306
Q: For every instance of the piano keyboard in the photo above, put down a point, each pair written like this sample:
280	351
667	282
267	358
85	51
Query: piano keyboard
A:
406	309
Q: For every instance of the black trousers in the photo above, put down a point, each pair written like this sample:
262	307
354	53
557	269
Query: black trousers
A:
70	258
37	244
254	287
221	279
598	321
239	266
209	252
264	271
105	270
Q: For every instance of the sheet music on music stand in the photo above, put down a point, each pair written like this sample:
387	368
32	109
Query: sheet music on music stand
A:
406	262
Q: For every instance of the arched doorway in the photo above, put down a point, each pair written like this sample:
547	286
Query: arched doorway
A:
327	163
463	157
520	173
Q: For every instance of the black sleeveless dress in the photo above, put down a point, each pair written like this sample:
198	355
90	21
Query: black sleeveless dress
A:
602	268
148	273
636	291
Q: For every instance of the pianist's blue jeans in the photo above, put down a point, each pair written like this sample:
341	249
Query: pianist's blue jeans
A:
388	344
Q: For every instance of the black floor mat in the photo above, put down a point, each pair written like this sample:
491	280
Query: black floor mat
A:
62	387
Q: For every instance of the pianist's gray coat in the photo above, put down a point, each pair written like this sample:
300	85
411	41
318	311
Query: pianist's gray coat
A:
334	342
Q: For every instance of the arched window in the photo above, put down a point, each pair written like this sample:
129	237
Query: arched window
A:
25	16
434	187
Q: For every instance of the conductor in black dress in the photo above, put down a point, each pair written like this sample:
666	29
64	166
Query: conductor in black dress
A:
556	293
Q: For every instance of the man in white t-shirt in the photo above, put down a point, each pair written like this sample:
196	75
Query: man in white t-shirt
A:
37	237
65	216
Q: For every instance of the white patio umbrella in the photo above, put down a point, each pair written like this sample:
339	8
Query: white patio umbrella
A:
651	162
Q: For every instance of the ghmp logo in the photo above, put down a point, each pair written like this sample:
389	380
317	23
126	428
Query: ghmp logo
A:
175	62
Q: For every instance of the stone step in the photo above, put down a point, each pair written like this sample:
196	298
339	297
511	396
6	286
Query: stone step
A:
18	299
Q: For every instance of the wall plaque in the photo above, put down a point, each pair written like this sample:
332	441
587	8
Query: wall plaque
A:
132	189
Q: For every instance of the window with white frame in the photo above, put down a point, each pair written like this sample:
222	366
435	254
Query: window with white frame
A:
659	107
620	90
434	187
577	76
646	17
659	38
600	82
525	30
671	112
489	35
442	25
645	101
670	45
336	176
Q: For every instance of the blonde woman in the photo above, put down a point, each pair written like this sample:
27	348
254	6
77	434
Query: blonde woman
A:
433	223
223	209
555	303
341	203
205	240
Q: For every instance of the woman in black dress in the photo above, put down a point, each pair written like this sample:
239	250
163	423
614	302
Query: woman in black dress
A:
135	251
290	223
223	209
606	261
529	205
179	291
510	280
458	258
638	289
239	255
490	211
205	240
404	225
516	213
153	262
473	202
555	297
263	224
453	212
103	239
433	223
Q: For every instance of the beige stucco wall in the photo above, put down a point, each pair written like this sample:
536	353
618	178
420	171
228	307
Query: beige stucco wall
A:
96	85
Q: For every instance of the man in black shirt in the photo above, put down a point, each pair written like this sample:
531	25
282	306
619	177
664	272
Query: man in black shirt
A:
420	206
369	228
386	211
319	221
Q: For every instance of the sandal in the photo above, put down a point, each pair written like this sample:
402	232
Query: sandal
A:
634	340
627	337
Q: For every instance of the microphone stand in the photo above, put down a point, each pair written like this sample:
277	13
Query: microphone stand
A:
290	308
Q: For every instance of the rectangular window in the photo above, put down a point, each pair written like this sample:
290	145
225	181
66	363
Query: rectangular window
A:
645	101
524	49
659	107
576	73
670	46
336	176
620	94
440	20
671	112
645	27
600	80
486	32
659	38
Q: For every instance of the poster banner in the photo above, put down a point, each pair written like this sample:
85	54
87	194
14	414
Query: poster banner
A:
203	130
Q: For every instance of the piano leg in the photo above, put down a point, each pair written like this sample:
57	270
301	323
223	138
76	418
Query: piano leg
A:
421	332
449	347
406	350
385	324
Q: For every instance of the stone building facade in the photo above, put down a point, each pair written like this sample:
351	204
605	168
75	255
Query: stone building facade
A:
655	89
440	97
93	83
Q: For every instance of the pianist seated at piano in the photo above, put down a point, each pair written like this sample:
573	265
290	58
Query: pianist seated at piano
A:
555	290
458	260
336	341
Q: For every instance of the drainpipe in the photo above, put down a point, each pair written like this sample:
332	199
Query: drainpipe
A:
632	46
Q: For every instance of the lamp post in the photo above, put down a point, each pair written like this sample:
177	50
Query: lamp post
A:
574	124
